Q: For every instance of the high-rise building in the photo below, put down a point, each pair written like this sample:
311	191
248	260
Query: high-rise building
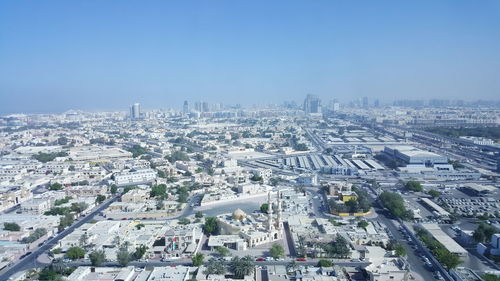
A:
365	102
197	106
376	103
185	107
312	104
135	111
205	108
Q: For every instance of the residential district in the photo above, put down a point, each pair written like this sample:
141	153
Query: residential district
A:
310	191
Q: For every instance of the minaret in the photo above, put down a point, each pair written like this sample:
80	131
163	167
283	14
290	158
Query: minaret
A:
269	213
279	211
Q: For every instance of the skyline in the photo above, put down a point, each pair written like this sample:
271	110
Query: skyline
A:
96	55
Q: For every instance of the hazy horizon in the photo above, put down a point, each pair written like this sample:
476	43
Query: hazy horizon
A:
106	55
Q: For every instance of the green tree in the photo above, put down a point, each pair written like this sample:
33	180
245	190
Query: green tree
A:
215	266
139	226
198	215
414	186
56	186
264	208
395	204
11	226
75	253
324	263
277	251
123	256
434	193
491	277
139	252
211	226
49	274
400	250
484	232
363	224
113	189
100	198
241	266
223	251
197	259
97	258
159	190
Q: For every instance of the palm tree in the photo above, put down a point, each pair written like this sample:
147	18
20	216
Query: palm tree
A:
241	266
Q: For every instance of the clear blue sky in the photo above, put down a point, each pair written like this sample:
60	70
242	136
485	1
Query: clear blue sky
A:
102	54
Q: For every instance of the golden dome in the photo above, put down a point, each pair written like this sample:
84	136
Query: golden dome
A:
238	214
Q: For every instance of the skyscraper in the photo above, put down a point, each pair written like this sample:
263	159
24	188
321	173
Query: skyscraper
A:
312	104
365	102
135	111
185	107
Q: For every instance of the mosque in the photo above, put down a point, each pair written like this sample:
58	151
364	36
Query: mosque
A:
256	228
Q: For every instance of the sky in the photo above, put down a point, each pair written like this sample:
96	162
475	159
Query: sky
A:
106	55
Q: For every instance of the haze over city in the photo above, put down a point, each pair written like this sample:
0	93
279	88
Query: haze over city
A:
103	55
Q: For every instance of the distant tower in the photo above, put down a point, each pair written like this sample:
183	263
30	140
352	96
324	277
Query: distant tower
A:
365	102
312	104
185	107
135	111
269	213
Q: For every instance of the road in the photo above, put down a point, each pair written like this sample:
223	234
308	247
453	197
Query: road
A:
30	260
309	262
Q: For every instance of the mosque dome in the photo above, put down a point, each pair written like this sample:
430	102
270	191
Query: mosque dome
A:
238	214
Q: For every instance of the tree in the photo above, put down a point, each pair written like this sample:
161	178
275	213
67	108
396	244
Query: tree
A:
211	226
198	215
56	186
395	204
338	248
491	277
450	260
434	193
75	253
264	208
484	232
123	256
11	226
197	259
277	251
139	226
414	186
49	274
241	266
139	252
215	266
363	224
324	263
100	198
159	190
113	189
400	250
97	258
223	251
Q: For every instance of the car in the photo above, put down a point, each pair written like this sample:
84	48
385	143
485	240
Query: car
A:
301	259
269	258
260	259
355	260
